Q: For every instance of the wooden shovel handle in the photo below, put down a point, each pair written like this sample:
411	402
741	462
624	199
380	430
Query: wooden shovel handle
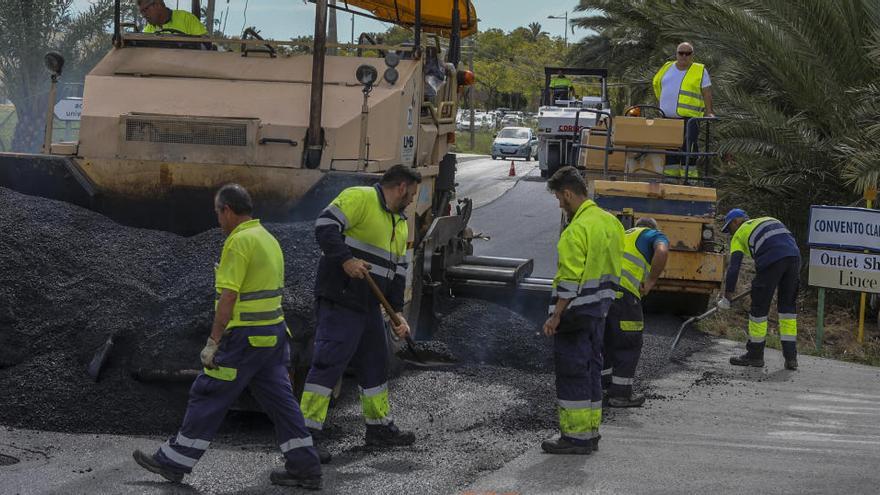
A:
381	297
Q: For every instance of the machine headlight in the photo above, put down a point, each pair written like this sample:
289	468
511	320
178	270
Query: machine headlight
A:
366	74
708	233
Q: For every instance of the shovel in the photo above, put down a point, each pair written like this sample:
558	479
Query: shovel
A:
410	344
695	319
100	358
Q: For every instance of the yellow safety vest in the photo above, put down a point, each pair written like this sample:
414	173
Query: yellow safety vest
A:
560	82
635	267
678	170
181	21
590	252
690	94
373	233
252	264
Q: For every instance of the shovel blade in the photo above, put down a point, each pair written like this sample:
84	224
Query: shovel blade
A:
100	358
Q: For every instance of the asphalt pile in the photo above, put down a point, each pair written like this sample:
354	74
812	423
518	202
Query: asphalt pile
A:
70	278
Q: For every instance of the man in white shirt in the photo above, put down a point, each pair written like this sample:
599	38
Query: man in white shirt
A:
684	90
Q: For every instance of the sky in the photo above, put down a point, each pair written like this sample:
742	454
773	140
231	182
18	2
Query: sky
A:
283	19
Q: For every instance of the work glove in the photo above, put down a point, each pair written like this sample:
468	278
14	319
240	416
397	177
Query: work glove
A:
723	304
208	352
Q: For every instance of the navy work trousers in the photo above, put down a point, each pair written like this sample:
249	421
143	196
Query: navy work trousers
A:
344	337
623	344
248	356
578	362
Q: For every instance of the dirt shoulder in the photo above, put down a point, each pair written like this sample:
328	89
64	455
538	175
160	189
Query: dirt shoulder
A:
841	325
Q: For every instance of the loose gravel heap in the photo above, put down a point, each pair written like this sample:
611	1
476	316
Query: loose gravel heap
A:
72	277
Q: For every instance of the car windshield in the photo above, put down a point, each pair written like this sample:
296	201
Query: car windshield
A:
514	133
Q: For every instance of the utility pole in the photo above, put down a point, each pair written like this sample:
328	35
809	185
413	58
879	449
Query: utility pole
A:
352	29
565	33
472	87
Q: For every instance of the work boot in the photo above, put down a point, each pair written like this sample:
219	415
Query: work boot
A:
634	400
318	443
150	464
285	478
789	352
388	436
563	445
747	360
596	442
754	356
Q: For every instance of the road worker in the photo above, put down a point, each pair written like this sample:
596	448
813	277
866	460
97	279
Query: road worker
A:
362	232
247	348
684	90
590	251
644	258
561	87
777	266
162	19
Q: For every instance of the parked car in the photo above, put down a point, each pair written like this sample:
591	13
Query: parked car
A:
512	142
511	120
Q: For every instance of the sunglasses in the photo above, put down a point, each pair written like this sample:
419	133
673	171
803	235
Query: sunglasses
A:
685	53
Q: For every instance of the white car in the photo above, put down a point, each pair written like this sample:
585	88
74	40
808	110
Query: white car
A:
515	142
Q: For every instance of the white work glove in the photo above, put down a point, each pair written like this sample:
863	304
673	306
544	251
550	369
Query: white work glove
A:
208	352
723	304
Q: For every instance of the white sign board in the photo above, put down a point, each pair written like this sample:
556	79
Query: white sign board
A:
844	227
408	149
845	270
68	109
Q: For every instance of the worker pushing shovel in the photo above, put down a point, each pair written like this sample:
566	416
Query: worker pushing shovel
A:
777	264
362	233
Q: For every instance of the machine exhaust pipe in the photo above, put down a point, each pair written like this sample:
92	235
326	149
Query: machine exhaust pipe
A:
314	147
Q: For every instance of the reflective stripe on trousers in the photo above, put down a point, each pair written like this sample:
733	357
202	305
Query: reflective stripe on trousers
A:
314	404
374	404
788	327
757	328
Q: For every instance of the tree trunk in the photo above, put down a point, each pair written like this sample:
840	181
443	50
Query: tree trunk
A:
29	130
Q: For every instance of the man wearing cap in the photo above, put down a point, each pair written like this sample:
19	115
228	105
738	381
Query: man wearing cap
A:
645	250
777	262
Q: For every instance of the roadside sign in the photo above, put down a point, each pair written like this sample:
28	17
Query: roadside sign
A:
68	109
844	228
845	270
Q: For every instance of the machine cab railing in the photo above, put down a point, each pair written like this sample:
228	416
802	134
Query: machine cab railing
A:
682	165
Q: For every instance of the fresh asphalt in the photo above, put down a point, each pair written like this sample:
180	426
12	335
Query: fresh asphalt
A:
707	427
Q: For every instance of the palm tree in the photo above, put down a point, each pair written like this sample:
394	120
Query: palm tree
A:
861	153
796	83
535	31
793	89
627	40
30	28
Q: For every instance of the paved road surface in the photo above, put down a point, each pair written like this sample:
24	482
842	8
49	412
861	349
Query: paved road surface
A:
714	428
484	180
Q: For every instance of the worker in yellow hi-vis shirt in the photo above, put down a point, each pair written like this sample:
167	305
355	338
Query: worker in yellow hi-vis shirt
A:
248	348
587	279
162	19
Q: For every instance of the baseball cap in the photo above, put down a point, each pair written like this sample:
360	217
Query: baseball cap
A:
731	215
